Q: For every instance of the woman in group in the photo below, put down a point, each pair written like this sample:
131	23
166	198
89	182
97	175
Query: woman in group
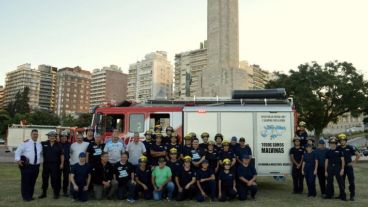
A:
226	182
143	179
186	180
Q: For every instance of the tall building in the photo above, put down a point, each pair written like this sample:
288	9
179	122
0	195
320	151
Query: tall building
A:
188	72
108	83
150	78
223	49
17	80
73	91
2	96
345	124
257	77
47	87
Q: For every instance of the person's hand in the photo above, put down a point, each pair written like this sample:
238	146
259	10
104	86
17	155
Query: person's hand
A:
315	172
202	180
61	166
144	187
326	174
187	186
20	163
341	172
249	183
298	166
85	188
219	196
133	182
302	172
180	189
75	187
156	189
234	188
161	188
106	184
204	194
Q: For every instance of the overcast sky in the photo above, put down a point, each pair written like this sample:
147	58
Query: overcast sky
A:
276	34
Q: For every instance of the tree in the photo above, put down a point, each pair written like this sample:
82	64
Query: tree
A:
68	120
84	120
42	117
322	93
20	104
4	120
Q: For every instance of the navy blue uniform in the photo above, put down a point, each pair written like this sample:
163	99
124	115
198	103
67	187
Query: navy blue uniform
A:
80	173
310	163
212	158
123	174
186	151
148	151
175	167
333	170
203	146
303	135
227	155
247	172
242	151
66	169
144	176
348	152
157	148
296	173
51	166
209	187
227	185
185	177
321	156
171	146
234	147
196	154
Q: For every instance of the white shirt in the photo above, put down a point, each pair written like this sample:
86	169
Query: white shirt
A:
135	150
114	149
27	149
75	149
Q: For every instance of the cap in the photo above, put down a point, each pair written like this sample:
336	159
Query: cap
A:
342	136
333	140
242	139
302	124
187	159
51	133
225	143
205	161
211	143
82	154
193	134
234	138
321	141
64	134
205	134
245	157
143	158
169	128
188	137
296	138
161	159
226	161
173	151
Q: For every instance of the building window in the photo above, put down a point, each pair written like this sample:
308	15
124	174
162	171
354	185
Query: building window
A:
136	123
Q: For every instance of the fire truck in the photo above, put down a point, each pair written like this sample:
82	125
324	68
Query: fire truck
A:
265	118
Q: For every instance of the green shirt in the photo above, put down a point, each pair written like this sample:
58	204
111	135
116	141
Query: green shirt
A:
161	175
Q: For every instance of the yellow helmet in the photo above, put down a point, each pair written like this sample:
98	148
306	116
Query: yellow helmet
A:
188	137
143	158
225	143
205	134
342	136
226	161
173	151
187	158
302	124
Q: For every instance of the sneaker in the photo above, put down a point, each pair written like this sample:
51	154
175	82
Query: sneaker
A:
130	200
168	199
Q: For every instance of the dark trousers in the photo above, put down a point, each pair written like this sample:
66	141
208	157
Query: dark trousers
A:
321	179
126	190
297	180
243	190
310	179
227	193
209	188
334	172
65	177
349	172
29	176
81	194
186	193
147	194
51	170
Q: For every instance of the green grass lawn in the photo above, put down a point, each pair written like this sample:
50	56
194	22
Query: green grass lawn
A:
271	193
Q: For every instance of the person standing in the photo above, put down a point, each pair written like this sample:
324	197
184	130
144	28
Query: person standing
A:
166	139
53	163
102	178
89	136
162	180
242	150
135	150
226	153
80	177
321	156
309	169
302	134
28	157
334	167
212	157
296	156
205	136
148	141
234	143
76	148
218	145
114	148
348	151
158	150
197	154
95	150
65	145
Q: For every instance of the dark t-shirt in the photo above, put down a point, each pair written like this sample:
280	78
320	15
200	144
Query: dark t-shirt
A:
196	154
348	152
212	159
334	157
297	153
95	150
51	153
321	156
186	177
310	160
123	172
227	179
81	173
102	173
174	166
204	174
176	146
242	151
157	148
246	172
66	151
144	176
227	155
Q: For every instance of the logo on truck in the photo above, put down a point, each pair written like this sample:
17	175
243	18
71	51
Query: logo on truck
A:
273	131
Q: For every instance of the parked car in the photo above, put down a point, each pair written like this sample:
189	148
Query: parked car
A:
365	152
2	141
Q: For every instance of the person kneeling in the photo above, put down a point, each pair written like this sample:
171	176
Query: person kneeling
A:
206	182
80	177
185	180
161	180
143	179
247	179
124	175
102	178
226	183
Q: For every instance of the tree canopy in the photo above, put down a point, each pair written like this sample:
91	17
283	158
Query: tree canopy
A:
323	93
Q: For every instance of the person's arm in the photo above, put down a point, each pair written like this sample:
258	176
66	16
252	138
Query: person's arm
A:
234	185
219	189
132	178
253	180
342	166
357	156
293	159
155	154
199	161
303	165
73	182
242	179
315	167
153	177
62	161
191	182
180	189
18	153
326	164
88	182
200	188
233	162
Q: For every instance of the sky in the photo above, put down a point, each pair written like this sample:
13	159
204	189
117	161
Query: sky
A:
278	35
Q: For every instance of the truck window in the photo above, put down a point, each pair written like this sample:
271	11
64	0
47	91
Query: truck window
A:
162	119
136	123
107	123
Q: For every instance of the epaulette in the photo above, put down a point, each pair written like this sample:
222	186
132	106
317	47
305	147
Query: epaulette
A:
26	140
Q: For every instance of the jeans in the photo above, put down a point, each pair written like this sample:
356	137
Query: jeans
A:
169	187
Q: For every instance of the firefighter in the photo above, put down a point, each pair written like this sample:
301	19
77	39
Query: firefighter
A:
124	175
311	141
80	177
227	184
167	139
193	135
206	182
296	156
309	169
173	144
234	144
158	128
227	154
89	136
302	134
218	139
143	179
247	176
242	150
187	146
148	144
158	150
66	170
205	136
196	153
102	178
174	163
334	167
212	157
321	156
53	164
186	180
348	152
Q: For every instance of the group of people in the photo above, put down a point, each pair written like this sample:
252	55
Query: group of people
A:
312	161
160	167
